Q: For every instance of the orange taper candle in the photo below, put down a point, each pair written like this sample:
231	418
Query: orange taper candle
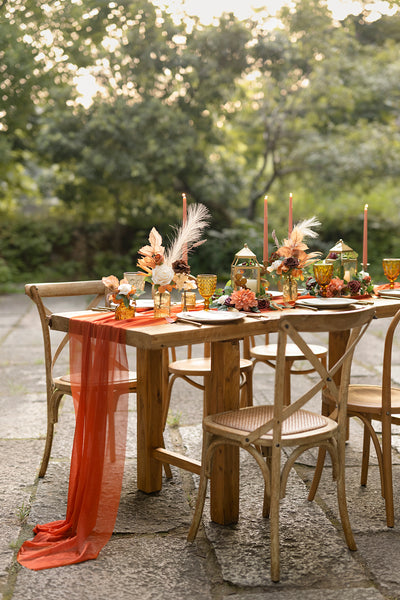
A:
265	253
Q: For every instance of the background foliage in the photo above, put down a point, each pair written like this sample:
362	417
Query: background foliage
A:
226	113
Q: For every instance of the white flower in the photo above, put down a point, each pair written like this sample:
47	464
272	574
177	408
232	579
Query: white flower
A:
190	284
274	266
221	299
124	288
162	274
180	279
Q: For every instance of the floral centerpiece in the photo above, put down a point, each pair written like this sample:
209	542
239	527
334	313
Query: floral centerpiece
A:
165	268
290	258
360	285
123	294
242	299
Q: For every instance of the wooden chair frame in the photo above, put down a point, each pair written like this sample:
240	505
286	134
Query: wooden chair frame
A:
374	403
56	387
266	353
191	367
268	438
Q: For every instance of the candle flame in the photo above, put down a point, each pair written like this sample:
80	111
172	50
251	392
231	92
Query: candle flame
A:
366	207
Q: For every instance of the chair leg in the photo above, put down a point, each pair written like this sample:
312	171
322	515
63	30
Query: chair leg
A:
201	495
317	473
287	390
52	418
365	456
387	470
274	514
246	393
341	495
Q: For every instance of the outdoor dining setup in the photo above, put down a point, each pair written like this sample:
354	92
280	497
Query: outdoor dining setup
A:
293	293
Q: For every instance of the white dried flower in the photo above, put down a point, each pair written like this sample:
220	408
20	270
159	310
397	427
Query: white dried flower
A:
162	274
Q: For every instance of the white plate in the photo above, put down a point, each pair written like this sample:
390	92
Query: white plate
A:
145	303
274	293
389	293
327	303
211	316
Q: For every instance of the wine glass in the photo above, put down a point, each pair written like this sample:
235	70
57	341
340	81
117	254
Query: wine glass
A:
391	268
323	272
206	284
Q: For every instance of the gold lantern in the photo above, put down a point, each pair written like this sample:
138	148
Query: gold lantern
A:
246	266
347	260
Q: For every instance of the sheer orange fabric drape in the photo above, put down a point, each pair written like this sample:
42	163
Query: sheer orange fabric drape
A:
99	380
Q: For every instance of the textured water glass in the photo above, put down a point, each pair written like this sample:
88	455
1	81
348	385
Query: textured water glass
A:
391	268
206	285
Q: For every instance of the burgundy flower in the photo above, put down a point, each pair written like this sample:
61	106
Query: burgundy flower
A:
291	262
262	303
354	287
311	283
181	266
332	256
228	301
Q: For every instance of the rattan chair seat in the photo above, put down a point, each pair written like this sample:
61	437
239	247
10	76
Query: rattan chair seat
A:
245	420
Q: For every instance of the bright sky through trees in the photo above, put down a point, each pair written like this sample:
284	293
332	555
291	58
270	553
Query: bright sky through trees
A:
208	9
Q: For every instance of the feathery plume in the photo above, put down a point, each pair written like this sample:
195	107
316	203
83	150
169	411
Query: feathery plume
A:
189	234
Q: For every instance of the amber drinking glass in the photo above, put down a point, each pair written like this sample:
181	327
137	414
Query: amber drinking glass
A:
391	268
206	284
323	272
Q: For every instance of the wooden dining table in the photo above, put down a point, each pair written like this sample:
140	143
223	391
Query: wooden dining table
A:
222	392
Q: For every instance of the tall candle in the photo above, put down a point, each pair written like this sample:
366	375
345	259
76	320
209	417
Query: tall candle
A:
290	223
365	238
184	220
265	253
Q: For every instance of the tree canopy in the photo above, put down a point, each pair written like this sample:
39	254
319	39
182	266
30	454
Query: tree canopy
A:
226	113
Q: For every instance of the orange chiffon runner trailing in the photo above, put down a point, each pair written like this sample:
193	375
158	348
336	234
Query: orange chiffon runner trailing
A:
99	380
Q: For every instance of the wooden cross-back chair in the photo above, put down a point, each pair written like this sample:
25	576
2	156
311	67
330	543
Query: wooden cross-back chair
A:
57	386
374	403
264	430
200	367
266	353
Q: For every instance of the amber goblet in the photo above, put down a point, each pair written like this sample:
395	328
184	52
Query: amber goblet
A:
323	272
206	284
391	268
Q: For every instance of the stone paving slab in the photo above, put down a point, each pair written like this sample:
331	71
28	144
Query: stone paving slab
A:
148	556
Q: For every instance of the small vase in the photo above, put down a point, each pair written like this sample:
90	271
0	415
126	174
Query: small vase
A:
289	288
124	312
162	304
188	300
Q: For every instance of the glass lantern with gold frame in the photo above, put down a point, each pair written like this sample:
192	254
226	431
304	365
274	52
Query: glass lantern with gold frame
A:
347	260
246	266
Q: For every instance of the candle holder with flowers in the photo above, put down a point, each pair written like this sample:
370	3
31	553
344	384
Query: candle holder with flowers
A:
123	295
165	269
290	259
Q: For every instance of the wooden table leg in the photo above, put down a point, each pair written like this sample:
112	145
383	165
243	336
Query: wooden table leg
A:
149	419
221	394
336	348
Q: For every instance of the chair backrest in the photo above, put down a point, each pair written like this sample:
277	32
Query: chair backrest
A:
387	363
95	290
292	326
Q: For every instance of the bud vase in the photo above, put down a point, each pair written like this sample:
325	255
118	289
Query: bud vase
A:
162	304
124	312
289	288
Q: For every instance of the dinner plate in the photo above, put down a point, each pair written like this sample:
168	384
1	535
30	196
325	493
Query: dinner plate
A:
389	293
274	293
327	303
211	316
145	303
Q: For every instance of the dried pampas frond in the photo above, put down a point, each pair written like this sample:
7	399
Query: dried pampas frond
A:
304	228
188	236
